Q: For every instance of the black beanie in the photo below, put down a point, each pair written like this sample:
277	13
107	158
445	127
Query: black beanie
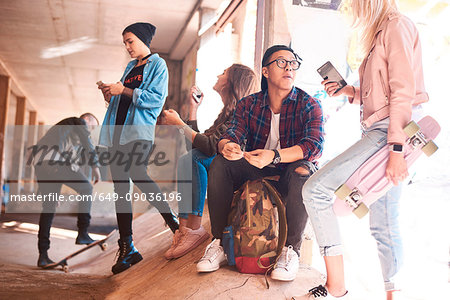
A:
267	56
144	31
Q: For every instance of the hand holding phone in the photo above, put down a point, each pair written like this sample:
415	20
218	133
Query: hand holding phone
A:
197	94
106	95
329	72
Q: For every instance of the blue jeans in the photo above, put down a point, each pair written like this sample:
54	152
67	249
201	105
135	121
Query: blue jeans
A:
385	228
318	195
193	165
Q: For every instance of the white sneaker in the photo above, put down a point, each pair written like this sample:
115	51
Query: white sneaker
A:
212	259
287	265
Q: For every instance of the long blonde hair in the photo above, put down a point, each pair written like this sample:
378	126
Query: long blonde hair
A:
241	81
368	15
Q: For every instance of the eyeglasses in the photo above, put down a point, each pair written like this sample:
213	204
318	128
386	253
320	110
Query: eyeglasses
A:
282	63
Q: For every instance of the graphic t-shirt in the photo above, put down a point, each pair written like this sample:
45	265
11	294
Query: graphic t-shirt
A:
132	81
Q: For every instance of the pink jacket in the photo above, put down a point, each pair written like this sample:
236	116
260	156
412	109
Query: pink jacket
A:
391	77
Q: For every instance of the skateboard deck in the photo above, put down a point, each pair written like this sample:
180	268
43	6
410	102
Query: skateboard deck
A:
368	183
63	262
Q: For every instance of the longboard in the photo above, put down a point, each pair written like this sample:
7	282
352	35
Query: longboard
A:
63	262
368	183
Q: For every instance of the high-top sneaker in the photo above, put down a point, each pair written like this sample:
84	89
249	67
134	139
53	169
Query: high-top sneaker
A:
83	237
128	255
43	260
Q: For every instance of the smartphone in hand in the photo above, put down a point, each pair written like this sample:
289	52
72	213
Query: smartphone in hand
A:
197	95
329	72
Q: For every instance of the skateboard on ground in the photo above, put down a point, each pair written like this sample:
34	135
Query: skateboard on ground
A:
63	262
369	182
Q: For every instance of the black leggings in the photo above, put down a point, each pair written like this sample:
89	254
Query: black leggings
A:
227	176
132	166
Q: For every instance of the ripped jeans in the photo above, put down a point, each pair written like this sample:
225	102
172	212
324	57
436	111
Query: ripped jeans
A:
226	176
318	196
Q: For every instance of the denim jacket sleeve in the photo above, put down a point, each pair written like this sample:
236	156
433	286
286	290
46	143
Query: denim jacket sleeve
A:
153	93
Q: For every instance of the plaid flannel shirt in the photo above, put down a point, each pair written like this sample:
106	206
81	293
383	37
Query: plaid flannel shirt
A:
301	123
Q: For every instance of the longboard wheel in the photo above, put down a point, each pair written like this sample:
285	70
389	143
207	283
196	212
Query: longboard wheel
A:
361	210
66	269
411	129
104	246
343	192
429	148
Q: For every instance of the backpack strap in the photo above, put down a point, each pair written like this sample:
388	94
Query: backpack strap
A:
269	267
282	220
282	228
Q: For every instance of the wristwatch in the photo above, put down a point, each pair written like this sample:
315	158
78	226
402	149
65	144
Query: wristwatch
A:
396	148
277	158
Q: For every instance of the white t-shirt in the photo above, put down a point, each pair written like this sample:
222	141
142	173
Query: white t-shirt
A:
273	140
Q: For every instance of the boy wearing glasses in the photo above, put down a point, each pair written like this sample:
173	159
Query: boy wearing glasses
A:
277	131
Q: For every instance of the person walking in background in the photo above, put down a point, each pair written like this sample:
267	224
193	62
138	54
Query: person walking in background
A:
55	165
391	91
233	84
129	127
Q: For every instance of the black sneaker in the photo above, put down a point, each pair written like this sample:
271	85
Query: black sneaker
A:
83	238
43	260
128	256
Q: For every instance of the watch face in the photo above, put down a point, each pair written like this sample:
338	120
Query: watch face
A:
397	148
276	160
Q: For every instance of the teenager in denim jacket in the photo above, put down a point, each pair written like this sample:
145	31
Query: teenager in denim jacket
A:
390	95
129	127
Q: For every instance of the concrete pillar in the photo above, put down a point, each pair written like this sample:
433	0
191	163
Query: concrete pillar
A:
18	147
5	91
41	130
271	28
276	30
269	23
31	140
259	36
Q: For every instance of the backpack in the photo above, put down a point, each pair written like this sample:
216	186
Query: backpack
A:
257	230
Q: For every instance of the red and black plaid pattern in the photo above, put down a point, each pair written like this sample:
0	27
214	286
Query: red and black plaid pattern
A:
301	123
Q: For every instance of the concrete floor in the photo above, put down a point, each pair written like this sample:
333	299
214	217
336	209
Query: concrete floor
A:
425	275
153	278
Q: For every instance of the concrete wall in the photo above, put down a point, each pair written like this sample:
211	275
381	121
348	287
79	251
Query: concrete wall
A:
188	79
